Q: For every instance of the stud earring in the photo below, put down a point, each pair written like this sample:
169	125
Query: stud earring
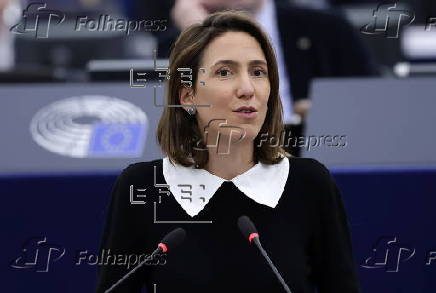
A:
191	111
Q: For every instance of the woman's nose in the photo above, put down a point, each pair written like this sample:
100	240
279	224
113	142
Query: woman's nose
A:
245	87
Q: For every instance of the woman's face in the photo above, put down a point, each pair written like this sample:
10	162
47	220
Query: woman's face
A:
235	75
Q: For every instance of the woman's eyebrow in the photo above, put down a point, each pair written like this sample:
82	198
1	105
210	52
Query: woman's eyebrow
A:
258	62
235	63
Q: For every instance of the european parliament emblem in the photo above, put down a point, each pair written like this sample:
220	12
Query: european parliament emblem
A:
126	140
91	126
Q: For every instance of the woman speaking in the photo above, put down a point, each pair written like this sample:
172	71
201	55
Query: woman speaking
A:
222	160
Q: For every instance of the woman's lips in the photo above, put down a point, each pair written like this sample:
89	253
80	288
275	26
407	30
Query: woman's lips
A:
247	114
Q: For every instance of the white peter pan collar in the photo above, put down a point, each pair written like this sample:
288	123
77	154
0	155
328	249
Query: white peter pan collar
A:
193	188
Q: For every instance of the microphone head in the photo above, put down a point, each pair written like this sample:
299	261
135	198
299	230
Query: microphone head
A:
173	239
247	228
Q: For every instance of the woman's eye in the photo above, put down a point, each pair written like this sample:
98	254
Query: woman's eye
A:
223	72
259	72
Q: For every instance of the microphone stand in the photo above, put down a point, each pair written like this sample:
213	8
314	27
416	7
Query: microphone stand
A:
273	267
156	251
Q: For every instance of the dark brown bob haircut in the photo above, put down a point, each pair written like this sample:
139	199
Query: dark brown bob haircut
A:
178	133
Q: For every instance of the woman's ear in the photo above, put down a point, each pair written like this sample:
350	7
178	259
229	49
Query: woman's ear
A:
186	96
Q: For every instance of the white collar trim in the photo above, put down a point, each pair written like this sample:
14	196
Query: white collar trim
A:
193	188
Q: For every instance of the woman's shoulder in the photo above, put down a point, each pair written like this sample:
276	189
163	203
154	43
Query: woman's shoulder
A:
308	171
141	171
307	165
311	179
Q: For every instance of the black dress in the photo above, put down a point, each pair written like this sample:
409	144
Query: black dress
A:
306	235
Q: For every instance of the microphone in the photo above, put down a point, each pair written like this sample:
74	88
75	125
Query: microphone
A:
169	242
172	240
250	232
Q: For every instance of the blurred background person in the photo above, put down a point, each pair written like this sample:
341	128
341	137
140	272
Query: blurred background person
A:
63	53
9	10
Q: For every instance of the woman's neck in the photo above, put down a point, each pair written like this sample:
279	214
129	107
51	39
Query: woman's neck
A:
227	165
